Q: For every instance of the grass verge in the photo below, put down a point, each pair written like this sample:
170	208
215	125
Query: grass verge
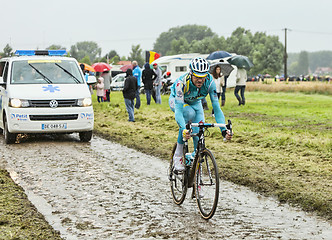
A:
313	87
281	147
19	219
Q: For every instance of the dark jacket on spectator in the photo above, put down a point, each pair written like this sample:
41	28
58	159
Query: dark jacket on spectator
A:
148	76
130	85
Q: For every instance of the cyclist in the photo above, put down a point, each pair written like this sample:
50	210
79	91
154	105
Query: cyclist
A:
185	101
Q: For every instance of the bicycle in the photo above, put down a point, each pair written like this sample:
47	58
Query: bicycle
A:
201	173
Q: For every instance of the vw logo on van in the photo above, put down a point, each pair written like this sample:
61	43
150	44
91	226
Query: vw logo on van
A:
53	103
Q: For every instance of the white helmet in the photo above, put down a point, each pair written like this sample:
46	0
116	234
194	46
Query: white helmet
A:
199	67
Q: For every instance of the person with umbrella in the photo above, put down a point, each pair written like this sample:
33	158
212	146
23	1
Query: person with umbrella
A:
241	79
107	84
219	80
225	71
243	64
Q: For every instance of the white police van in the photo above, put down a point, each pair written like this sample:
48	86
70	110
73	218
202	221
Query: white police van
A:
43	91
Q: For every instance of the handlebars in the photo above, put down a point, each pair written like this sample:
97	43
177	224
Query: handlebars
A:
228	126
201	125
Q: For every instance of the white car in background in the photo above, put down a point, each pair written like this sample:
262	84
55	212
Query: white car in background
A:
118	83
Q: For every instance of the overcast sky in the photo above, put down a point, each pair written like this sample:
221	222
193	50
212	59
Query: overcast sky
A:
119	24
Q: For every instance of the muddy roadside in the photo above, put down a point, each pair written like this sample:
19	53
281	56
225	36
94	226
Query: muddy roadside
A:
19	218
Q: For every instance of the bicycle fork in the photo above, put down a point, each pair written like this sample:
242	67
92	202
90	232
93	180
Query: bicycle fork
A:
199	179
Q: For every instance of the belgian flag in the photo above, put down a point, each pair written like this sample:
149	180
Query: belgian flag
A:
150	56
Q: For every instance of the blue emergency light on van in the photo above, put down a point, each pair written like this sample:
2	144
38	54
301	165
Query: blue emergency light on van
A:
25	52
40	52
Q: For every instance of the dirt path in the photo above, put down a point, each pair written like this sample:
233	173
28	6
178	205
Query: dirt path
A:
101	190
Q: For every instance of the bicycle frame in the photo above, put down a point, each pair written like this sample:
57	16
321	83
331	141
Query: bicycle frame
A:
191	170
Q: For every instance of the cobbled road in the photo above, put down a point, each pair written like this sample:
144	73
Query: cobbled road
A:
102	190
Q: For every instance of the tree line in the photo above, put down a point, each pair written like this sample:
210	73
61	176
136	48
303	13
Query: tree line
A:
265	51
305	63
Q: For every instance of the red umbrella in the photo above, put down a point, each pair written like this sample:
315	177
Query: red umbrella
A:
125	67
101	67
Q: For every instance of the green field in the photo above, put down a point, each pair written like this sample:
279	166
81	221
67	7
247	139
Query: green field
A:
281	145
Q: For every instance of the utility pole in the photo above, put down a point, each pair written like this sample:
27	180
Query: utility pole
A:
285	55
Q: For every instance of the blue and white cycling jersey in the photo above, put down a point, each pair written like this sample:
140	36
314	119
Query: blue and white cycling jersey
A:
184	93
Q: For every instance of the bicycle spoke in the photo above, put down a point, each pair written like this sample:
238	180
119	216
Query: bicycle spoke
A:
207	185
209	171
178	182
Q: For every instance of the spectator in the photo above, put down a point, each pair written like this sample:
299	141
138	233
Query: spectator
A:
82	67
107	84
219	80
91	81
137	72
129	93
153	94
241	78
100	90
148	76
86	75
157	82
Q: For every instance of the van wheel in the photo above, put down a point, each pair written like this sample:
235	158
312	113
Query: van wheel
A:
85	136
10	138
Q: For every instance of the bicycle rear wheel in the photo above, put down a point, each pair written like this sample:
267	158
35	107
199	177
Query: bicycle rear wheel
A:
207	184
178	182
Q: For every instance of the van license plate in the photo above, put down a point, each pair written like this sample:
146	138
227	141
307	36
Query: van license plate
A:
54	126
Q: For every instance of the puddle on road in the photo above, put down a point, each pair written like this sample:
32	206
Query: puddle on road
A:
102	190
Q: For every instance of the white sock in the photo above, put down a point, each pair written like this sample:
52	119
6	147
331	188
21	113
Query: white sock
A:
178	150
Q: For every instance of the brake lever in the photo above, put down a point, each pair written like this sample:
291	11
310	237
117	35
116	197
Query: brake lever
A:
229	127
188	127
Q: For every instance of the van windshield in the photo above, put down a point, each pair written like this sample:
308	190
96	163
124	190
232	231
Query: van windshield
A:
46	71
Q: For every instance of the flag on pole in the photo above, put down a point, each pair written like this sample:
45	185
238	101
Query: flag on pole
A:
150	56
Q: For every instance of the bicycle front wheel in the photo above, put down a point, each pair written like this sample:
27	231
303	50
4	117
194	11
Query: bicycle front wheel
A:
207	184
178	182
